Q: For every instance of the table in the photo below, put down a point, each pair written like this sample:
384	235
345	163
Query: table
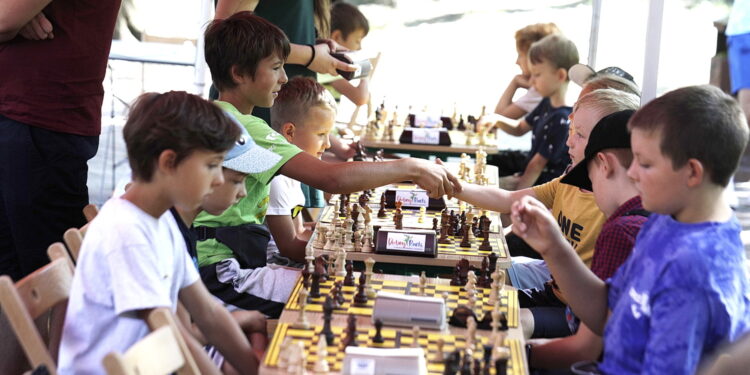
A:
458	140
394	335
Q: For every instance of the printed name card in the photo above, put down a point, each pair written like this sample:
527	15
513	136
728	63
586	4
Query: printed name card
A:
425	136
424	120
413	198
406	241
414	242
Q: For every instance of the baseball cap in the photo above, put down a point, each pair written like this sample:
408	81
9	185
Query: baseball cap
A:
580	73
248	157
610	132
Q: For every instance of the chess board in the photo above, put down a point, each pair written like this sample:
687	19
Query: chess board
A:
393	338
456	296
410	220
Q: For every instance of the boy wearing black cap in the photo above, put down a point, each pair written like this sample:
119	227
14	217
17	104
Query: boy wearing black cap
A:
604	171
684	291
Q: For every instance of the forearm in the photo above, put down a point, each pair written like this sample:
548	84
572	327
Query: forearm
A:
202	360
489	197
350	177
516	130
299	54
532	172
507	98
286	235
563	352
585	293
357	94
225	334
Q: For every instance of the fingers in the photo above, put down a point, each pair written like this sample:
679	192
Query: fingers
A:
37	30
340	65
455	184
438	161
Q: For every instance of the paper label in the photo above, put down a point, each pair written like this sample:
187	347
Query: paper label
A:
362	366
406	241
413	198
425	136
423	120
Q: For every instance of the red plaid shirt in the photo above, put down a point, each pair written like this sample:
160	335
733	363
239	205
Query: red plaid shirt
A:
616	240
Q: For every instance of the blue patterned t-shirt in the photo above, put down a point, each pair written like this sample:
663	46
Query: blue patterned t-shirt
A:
549	126
681	294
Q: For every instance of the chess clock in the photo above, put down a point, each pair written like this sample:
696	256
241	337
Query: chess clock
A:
426	136
413	198
413	242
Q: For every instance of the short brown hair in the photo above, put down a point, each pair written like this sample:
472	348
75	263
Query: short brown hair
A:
557	50
526	36
697	122
296	98
347	19
611	81
175	121
241	40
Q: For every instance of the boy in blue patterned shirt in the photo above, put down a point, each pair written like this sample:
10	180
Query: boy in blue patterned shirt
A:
684	290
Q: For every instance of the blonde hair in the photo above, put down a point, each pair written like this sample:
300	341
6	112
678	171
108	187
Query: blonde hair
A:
556	49
610	81
296	98
607	101
526	36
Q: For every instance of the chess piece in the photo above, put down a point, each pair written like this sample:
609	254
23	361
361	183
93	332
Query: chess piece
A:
422	215
334	214
314	286
484	280
398	219
349	277
302	322
503	322
321	365
422	283
492	258
296	361
452	363
494	287
465	239
381	212
283	361
357	238
367	245
485	246
355	217
334	296
341	262
435	224
501	355
445	296
351	331
327	316
378	338
342	205
360	299
340	299
439	354
415	334
456	280
369	290
444	234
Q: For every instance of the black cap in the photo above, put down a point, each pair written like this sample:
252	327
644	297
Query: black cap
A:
610	132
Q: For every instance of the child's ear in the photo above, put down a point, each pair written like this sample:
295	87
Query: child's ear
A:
337	36
167	160
236	74
287	130
696	172
562	74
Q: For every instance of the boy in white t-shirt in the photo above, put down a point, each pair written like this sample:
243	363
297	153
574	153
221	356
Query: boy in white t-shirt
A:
134	258
303	113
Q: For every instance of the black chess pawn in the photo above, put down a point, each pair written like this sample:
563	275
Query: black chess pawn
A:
381	211
465	240
351	331
360	299
444	235
486	246
340	299
315	286
477	367
452	363
493	262
334	296
484	280
305	278
503	322
461	125
435	224
466	365
501	366
342	205
349	278
378	338
456	279
327	315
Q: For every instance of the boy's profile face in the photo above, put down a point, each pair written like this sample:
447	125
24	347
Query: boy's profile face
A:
582	121
662	188
225	195
312	136
264	89
352	42
545	77
195	177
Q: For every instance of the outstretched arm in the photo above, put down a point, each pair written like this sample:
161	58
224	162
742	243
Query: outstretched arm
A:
359	95
288	235
585	292
341	178
492	198
16	15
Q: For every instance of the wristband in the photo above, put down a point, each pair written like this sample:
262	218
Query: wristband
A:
312	57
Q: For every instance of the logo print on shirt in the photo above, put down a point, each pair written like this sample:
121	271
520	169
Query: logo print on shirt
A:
640	306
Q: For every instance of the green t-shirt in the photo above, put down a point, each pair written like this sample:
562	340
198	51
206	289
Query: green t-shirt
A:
252	208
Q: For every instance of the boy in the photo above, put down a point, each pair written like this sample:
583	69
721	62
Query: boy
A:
246	56
603	171
348	27
684	290
133	258
549	61
304	113
574	209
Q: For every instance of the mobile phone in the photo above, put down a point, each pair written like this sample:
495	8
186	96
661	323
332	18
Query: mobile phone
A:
363	65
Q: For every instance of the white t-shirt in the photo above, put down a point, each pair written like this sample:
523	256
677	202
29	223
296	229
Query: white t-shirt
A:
129	261
529	100
286	193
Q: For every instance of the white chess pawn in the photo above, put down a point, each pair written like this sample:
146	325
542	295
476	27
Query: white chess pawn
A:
302	322
357	241
415	334
283	361
369	290
422	283
321	365
422	215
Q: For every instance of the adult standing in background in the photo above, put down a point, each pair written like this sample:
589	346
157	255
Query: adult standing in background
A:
53	58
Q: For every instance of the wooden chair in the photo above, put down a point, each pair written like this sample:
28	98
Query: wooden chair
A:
45	290
163	351
74	238
90	212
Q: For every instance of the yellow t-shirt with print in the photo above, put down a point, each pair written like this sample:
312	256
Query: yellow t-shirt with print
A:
576	212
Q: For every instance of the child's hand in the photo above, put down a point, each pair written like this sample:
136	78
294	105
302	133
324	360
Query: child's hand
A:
533	222
522	81
435	178
327	64
39	28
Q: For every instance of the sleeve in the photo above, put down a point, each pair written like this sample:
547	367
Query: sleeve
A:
552	145
529	100
136	278
546	192
678	330
269	139
613	246
279	202
534	114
